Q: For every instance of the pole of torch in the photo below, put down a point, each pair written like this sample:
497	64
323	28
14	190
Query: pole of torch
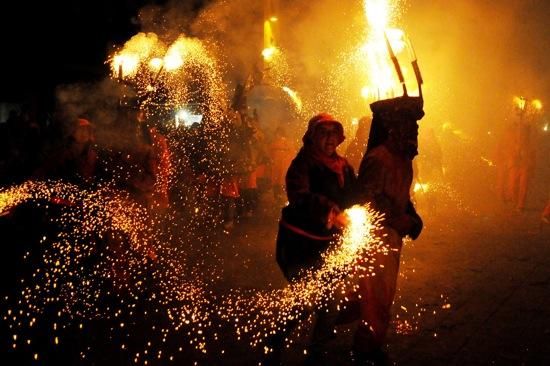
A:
396	65
120	72
158	74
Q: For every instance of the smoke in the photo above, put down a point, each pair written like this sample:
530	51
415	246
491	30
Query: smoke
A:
95	101
235	30
475	56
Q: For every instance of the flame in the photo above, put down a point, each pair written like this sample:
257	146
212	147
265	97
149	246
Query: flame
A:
294	96
156	63
537	104
520	102
163	72
268	53
175	55
421	187
382	78
125	64
378	14
140	47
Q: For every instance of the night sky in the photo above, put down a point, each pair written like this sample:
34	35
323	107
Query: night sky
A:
68	41
51	42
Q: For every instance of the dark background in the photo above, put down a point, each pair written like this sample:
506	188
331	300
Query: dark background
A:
53	42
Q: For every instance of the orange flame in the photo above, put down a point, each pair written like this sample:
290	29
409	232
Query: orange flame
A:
382	78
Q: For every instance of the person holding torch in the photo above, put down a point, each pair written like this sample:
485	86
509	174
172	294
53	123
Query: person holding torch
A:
320	184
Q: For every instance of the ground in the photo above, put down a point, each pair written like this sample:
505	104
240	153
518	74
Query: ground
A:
474	289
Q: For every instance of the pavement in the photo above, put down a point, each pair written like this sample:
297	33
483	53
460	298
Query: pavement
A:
474	289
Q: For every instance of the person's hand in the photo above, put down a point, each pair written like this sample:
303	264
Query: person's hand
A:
341	220
337	218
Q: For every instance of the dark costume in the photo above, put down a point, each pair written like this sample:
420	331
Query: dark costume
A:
318	186
315	185
384	180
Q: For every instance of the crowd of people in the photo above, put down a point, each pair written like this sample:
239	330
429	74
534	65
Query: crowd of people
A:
224	169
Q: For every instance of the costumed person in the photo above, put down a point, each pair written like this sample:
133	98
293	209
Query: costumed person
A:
129	157
504	160
522	162
229	185
162	170
517	153
384	180
320	184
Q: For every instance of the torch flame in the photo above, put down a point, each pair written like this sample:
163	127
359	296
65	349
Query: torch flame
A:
139	47
537	104
126	64
519	102
378	14
156	63
175	55
268	53
383	81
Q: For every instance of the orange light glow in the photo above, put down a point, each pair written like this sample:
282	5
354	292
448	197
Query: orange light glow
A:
382	78
268	53
125	65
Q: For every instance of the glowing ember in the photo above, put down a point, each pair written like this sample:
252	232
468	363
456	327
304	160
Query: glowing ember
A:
294	96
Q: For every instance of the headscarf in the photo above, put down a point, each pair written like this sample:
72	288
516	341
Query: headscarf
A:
335	162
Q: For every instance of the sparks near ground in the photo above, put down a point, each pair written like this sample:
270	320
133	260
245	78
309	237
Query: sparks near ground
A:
107	263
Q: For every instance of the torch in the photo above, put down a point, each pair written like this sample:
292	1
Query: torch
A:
120	72
396	65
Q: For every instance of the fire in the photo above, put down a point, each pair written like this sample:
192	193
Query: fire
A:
163	72
176	54
421	187
140	47
520	102
268	53
537	104
378	14
156	63
125	64
360	224
382	79
526	106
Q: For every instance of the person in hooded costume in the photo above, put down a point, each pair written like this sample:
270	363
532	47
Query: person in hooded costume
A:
384	180
320	184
